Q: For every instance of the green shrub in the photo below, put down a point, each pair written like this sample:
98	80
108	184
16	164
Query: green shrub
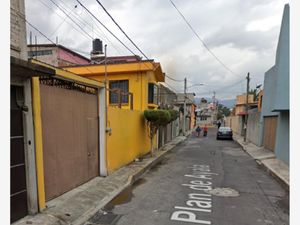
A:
157	117
174	114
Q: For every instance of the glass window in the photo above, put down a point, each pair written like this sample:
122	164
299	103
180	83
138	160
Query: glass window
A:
152	93
120	84
39	53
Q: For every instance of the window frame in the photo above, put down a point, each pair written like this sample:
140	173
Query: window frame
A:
124	98
153	98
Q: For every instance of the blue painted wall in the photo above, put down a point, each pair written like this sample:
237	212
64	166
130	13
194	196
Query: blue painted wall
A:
276	92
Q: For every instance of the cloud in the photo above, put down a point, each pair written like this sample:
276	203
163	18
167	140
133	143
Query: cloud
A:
243	34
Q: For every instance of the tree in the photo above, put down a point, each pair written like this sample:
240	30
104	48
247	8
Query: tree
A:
222	111
157	118
253	92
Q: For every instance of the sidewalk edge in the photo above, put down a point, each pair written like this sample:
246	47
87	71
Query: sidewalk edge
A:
131	179
260	162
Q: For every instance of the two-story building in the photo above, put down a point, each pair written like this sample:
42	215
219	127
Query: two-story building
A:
131	87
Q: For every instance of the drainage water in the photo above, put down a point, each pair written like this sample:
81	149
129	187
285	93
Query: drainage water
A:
124	197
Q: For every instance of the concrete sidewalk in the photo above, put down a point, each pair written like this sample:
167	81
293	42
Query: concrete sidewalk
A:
267	159
80	204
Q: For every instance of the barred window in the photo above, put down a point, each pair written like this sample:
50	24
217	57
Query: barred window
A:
152	93
121	84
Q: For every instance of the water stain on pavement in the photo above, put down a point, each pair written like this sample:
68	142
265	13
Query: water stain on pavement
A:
124	197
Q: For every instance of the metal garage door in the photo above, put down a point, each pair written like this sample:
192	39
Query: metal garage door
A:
270	126
18	190
70	137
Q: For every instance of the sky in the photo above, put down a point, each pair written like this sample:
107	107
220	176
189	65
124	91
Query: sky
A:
243	34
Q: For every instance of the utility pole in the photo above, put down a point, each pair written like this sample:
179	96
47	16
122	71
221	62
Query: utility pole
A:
214	106
184	107
247	106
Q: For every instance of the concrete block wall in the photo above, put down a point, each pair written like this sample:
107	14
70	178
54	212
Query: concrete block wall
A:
235	122
18	42
253	127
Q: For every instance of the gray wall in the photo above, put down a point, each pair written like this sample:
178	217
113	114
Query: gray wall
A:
276	92
282	64
270	83
253	127
236	124
18	44
282	145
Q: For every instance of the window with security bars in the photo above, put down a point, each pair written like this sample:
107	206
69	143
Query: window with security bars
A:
118	84
152	93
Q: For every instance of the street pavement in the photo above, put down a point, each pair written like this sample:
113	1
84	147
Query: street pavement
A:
201	181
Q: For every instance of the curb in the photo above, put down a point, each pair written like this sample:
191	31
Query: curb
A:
260	163
131	180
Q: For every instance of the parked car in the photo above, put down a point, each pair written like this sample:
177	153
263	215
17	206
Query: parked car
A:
224	133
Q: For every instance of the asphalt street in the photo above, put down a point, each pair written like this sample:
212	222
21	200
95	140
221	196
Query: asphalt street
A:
203	181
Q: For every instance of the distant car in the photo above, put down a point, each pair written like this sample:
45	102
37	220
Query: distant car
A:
224	133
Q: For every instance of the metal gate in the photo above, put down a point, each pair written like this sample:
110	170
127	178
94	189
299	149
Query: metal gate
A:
70	136
18	190
270	126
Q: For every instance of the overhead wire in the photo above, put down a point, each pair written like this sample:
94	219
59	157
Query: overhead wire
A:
43	3
105	27
202	41
132	42
48	38
71	18
83	22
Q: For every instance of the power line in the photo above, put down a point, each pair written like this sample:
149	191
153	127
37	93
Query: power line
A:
84	23
56	29
173	78
48	38
71	18
105	27
122	30
43	3
202	41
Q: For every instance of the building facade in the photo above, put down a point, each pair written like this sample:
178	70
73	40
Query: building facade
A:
275	105
55	55
132	87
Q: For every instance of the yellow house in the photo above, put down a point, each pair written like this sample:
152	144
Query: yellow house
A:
139	78
127	134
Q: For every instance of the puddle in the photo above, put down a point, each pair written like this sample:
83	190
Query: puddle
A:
223	192
124	197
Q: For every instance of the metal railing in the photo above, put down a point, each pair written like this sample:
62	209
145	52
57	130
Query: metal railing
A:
120	95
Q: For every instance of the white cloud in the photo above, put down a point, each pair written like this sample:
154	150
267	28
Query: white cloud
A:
243	34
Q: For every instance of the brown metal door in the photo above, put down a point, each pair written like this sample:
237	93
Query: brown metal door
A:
70	138
270	125
18	190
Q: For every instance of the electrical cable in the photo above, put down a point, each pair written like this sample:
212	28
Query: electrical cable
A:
43	3
105	27
202	41
49	39
122	30
84	23
173	78
71	18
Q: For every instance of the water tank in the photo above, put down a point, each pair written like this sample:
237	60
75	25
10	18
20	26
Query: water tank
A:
97	46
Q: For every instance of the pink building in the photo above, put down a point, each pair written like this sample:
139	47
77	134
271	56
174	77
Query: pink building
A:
56	55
